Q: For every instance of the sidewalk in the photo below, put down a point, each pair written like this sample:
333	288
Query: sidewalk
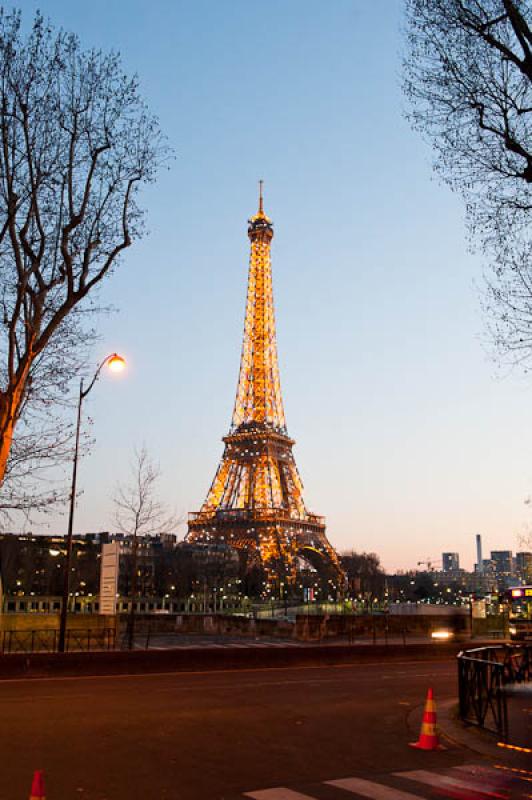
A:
519	700
478	740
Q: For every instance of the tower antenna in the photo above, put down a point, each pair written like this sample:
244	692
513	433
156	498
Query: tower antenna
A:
261	209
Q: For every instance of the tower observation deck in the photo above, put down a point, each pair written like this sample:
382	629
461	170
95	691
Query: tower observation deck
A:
255	502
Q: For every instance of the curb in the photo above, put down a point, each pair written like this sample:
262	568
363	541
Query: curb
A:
463	735
475	739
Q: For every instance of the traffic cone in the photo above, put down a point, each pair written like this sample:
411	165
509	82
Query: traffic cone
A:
37	786
428	738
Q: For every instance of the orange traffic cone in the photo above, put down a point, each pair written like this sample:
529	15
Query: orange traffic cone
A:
37	786
428	738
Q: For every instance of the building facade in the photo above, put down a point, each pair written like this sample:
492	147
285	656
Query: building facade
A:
450	562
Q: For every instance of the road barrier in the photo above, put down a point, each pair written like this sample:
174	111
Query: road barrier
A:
120	662
483	674
45	640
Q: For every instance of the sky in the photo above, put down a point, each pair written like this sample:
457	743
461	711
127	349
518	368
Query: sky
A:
410	438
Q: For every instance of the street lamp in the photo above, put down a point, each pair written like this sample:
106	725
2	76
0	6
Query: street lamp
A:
116	364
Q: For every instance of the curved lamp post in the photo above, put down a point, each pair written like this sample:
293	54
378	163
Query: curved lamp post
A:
116	364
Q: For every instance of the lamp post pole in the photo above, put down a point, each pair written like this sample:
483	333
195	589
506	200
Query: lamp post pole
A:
66	578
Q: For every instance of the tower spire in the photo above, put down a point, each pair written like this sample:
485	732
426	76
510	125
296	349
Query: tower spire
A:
258	397
261	207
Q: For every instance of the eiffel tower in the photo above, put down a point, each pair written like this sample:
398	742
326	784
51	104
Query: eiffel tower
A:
255	502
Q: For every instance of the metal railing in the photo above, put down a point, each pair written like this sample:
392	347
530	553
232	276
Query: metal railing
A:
257	515
483	674
46	640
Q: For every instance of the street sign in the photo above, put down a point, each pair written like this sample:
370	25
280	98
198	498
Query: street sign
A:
109	578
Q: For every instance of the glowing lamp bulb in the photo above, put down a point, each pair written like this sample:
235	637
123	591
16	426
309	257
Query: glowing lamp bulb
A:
116	363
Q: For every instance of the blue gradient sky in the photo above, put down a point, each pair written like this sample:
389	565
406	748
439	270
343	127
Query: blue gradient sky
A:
407	439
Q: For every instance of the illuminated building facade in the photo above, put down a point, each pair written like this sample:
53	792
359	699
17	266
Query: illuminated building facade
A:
255	502
450	562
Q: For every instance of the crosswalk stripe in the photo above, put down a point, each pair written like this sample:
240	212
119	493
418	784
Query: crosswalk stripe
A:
448	782
478	780
278	794
375	791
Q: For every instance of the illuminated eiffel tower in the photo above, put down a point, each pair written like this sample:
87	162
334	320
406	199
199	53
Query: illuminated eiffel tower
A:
255	502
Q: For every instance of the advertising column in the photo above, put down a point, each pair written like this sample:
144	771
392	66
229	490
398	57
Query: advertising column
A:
109	578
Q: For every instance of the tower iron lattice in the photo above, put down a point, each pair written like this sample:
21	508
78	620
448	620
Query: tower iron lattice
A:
255	502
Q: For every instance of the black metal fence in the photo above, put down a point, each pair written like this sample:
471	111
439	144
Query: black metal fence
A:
46	640
483	674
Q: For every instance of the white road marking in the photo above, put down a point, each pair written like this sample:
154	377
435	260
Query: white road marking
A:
278	794
375	791
447	782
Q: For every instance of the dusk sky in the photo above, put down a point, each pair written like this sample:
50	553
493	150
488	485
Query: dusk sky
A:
410	439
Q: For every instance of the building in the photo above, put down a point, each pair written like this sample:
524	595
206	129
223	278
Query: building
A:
503	567
479	564
523	567
33	566
450	562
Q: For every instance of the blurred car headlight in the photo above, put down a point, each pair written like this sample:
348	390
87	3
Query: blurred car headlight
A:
442	634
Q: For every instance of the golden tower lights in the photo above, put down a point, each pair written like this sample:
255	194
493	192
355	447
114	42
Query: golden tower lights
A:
255	502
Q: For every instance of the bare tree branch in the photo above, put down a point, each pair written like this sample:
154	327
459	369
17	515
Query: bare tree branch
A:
76	143
139	512
468	82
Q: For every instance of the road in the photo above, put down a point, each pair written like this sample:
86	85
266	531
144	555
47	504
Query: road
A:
221	735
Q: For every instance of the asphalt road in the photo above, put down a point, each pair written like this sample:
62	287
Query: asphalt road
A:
207	736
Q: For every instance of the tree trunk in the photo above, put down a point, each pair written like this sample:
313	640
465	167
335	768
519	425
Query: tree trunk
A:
9	408
5	446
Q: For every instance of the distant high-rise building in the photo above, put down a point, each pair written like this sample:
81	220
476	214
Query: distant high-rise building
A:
523	566
479	552
450	562
503	565
488	566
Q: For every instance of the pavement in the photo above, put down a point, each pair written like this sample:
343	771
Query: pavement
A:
291	733
166	641
480	741
519	703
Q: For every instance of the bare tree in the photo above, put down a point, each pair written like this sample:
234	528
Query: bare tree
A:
468	81
139	512
43	441
76	143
